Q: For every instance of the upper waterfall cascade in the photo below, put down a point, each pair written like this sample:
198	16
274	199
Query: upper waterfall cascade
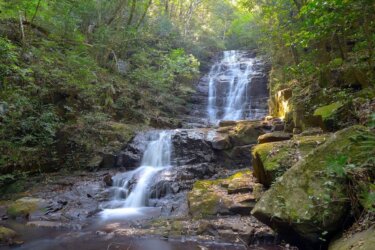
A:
232	77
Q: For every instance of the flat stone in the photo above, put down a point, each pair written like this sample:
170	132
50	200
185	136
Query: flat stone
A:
227	123
274	136
47	224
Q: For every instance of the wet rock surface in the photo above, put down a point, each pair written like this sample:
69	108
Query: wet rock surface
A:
226	146
59	197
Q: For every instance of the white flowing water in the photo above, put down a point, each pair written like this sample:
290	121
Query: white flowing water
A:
128	197
230	76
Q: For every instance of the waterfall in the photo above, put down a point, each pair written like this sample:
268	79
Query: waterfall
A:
229	83
131	188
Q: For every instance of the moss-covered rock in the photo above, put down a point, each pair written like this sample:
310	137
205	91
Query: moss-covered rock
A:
271	160
337	115
246	132
25	207
364	240
310	201
7	235
222	196
327	111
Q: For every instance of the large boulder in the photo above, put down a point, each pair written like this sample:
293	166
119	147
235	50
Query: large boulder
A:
310	201
220	141
192	147
246	132
271	160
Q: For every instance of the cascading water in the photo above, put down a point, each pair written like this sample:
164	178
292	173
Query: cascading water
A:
129	196
228	88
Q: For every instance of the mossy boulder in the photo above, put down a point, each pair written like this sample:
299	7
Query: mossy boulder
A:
271	160
310	201
26	207
7	235
246	133
364	240
205	200
231	195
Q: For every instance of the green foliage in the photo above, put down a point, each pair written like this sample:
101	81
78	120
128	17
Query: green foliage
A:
310	41
336	166
371	123
8	59
79	66
243	32
367	198
360	177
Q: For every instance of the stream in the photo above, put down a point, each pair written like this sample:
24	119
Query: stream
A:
146	205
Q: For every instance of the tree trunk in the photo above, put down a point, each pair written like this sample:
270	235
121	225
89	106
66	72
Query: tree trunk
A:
119	8
36	11
22	28
144	14
132	12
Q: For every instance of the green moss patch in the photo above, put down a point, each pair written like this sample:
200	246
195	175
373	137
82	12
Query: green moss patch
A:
24	207
271	160
211	197
327	111
6	234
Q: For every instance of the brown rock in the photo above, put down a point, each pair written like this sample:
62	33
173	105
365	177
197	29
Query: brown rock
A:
221	142
227	123
274	136
108	180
